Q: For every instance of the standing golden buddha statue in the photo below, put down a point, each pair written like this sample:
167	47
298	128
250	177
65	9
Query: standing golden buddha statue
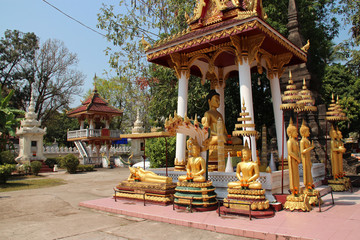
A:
339	182
341	151
305	149
218	133
293	158
296	200
334	149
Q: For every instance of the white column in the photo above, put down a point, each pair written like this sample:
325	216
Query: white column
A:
221	108
276	98
181	110
246	95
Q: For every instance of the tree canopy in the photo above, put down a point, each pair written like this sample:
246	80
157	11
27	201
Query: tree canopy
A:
50	66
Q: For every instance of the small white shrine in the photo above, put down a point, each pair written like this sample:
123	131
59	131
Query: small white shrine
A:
30	136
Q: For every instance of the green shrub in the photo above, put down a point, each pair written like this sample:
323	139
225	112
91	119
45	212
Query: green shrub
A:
5	171
7	157
70	162
35	167
156	151
52	161
85	168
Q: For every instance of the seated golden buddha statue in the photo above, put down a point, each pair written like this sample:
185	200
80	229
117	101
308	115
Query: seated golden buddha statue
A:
142	175
211	119
249	169
196	166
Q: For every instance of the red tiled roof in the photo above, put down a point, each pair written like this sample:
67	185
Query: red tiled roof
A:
95	104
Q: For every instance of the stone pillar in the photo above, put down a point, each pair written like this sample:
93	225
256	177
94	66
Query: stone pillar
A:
246	95
246	49
276	98
181	111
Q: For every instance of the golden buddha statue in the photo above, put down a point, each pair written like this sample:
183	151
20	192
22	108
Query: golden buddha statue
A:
250	172
305	149
293	158
141	175
196	166
211	117
341	151
334	152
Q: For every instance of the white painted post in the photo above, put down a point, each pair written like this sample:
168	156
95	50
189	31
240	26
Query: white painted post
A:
276	98
246	95
181	110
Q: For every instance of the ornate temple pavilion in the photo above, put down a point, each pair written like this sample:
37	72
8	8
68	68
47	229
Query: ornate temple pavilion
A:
98	114
225	37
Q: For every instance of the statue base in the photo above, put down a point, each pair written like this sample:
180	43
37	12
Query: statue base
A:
200	195
297	202
241	198
340	184
158	193
313	196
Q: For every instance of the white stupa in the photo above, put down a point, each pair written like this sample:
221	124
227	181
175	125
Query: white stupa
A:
30	136
137	145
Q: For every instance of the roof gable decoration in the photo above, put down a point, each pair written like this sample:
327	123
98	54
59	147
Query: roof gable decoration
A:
207	12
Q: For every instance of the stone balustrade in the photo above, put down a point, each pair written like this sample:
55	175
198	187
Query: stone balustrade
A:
86	133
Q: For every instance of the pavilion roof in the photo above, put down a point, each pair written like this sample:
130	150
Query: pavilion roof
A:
214	27
94	104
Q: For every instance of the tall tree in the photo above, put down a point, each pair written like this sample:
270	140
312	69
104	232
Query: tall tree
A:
56	78
8	121
17	53
125	95
51	68
57	125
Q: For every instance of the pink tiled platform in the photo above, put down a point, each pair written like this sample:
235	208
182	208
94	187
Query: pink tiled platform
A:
341	221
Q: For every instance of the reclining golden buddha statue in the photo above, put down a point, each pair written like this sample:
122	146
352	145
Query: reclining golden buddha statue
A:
141	175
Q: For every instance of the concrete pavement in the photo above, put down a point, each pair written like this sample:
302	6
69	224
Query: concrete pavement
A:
54	213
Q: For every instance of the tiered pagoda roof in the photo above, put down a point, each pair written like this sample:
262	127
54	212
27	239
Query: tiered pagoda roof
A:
335	112
291	98
307	100
240	128
94	104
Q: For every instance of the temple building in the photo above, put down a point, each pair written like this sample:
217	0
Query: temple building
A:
98	114
227	38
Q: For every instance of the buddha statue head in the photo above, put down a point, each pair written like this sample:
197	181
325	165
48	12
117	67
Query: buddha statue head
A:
213	99
246	153
292	130
333	133
339	134
304	130
193	147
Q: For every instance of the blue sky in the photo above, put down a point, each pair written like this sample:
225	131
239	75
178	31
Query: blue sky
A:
46	22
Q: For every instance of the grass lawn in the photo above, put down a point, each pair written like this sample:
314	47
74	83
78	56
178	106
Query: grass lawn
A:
30	183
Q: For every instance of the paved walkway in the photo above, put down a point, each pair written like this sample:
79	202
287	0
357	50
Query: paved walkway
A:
54	213
339	221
